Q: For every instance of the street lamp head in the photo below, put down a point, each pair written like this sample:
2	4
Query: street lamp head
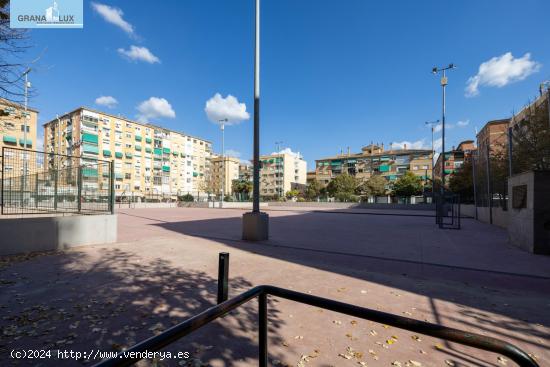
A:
434	70
452	66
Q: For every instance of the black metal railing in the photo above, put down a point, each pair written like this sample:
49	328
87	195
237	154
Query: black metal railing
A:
447	210
133	355
34	182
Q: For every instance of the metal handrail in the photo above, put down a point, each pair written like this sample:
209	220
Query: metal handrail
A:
155	343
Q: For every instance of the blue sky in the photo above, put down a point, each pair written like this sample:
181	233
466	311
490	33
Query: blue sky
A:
334	73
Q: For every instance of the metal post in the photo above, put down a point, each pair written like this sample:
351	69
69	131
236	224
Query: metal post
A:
223	276
443	84
433	154
256	172
112	186
262	329
475	183
510	151
79	188
55	173
26	107
489	193
223	163
36	191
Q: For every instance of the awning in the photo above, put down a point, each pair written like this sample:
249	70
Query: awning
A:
10	139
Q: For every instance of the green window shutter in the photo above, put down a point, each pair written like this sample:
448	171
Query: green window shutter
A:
89	172
119	176
147	149
138	147
148	140
166	168
138	138
128	155
175	153
158	151
10	139
106	153
166	150
118	154
89	138
87	148
195	174
384	168
22	142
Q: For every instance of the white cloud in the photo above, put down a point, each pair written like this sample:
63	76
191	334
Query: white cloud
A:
107	101
219	108
154	108
114	16
137	53
288	151
463	123
419	144
448	126
232	153
500	71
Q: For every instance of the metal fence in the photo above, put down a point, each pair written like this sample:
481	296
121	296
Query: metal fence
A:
36	182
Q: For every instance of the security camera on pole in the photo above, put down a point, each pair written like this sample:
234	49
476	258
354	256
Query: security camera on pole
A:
444	81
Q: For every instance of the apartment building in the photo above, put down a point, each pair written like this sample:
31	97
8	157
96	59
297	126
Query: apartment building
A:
148	159
245	172
231	167
280	173
374	159
455	158
12	125
494	136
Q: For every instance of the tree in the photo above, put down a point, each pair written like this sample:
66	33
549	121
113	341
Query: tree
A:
374	186
292	194
241	186
531	141
408	185
12	45
462	182
343	188
313	190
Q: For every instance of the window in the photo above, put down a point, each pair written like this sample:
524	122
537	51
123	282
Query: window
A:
23	128
128	176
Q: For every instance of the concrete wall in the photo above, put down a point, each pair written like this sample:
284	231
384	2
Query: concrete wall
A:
235	205
335	205
20	235
145	205
529	227
500	217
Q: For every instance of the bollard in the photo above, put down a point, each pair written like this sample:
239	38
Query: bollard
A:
223	275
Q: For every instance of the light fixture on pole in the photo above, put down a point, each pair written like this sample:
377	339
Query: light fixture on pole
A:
444	83
27	86
256	223
222	127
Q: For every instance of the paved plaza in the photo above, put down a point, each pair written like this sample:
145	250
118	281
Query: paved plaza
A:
164	267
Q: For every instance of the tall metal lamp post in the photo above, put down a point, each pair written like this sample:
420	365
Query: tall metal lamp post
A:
222	127
432	125
256	223
444	81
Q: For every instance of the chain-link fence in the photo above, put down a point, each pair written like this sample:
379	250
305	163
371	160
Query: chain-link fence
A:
36	182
